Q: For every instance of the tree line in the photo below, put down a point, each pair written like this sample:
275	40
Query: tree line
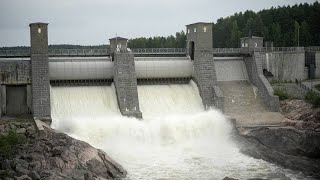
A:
297	25
177	41
286	26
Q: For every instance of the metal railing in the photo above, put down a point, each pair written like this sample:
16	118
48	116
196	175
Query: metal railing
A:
15	53
313	49
226	50
153	51
280	49
162	51
78	52
306	88
93	52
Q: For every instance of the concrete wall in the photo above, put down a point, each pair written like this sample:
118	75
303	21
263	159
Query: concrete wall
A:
285	66
15	99
254	69
15	72
230	69
318	65
125	82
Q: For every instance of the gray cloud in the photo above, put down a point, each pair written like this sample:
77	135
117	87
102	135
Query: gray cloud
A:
91	22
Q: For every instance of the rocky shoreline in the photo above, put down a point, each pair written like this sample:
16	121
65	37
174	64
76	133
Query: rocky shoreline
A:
296	145
288	147
54	155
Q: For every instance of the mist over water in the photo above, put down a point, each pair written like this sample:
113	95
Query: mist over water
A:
177	139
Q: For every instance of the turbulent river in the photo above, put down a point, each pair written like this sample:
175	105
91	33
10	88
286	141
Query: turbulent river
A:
177	138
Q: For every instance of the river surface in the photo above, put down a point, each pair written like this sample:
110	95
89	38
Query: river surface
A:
177	138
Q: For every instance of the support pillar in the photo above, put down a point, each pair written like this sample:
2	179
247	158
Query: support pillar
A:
3	99
126	84
40	72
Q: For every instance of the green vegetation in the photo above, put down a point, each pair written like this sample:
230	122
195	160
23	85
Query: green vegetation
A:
7	143
317	87
282	25
4	174
283	95
178	41
313	98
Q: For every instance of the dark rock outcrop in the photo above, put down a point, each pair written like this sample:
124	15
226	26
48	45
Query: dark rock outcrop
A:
57	156
291	148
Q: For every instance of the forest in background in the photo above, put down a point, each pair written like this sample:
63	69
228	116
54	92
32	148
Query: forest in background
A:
282	25
286	26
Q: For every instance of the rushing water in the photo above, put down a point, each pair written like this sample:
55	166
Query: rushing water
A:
177	139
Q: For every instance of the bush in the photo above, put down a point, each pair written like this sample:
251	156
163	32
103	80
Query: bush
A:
313	98
7	143
317	87
282	94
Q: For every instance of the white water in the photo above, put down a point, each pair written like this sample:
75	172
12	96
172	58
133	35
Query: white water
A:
177	139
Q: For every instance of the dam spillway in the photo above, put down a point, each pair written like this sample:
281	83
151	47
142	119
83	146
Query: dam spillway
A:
177	139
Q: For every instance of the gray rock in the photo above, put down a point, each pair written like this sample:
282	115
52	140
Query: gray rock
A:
35	165
88	176
289	141
23	177
57	156
2	128
57	150
12	127
5	164
21	170
283	146
34	175
21	131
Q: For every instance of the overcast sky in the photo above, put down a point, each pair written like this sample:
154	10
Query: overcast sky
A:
93	22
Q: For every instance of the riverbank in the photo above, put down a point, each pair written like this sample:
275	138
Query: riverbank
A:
295	145
53	155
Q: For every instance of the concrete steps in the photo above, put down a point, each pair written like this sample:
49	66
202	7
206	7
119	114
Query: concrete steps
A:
243	102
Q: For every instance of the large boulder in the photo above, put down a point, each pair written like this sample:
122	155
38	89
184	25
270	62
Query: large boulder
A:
291	148
55	155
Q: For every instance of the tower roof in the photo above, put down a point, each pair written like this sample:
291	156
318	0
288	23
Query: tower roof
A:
199	23
118	38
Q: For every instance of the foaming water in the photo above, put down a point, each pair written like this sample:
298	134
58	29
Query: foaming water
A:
177	139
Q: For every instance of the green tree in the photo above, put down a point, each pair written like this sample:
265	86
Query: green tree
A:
235	36
276	34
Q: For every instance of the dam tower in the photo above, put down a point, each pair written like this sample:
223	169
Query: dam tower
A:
40	71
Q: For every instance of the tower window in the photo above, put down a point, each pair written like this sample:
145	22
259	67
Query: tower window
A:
195	30
188	31
205	29
39	30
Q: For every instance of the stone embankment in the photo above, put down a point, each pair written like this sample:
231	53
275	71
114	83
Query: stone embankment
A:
55	156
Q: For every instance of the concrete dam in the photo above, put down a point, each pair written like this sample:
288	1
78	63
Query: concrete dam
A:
159	114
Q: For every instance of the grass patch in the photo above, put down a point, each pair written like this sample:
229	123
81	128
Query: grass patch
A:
313	98
7	143
317	87
282	94
4	174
